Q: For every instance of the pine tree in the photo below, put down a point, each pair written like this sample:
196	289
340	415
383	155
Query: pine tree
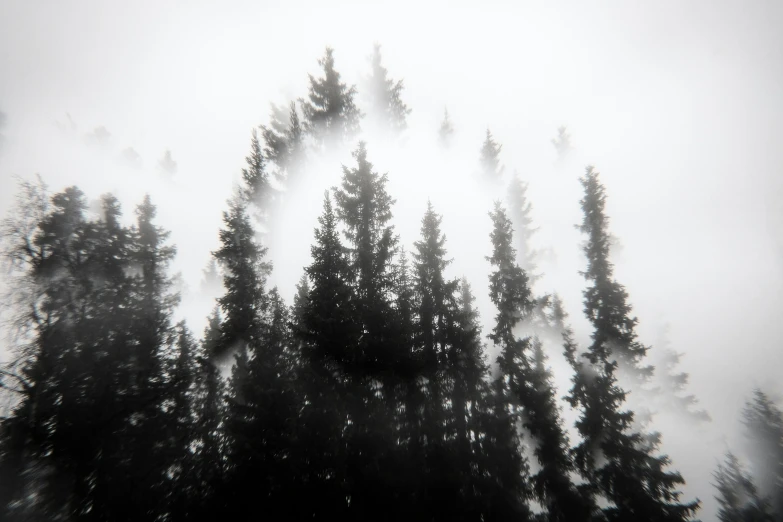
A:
180	430
470	409
284	142
670	392
738	496
330	111
435	301
208	470
257	188
446	129
763	422
526	382
605	302
619	462
384	93
94	373
519	211
327	334
491	169
364	208
244	277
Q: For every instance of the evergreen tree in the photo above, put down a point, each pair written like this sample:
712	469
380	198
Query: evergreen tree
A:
180	428
471	418
670	392
384	94
446	129
519	213
738	496
93	373
364	207
619	462
209	448
330	111
605	302
254	327
526	382
435	309
284	142
491	168
257	188
244	276
763	421
328	335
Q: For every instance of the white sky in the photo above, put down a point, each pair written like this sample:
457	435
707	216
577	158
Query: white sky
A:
677	104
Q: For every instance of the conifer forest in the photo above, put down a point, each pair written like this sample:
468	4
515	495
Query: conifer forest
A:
367	299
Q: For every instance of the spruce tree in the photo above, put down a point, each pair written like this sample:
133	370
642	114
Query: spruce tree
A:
763	422
670	390
254	328
384	93
619	462
526	382
284	142
435	301
330	112
364	208
256	187
519	212
327	336
605	301
738	496
491	169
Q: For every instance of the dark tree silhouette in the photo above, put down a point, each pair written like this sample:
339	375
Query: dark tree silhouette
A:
618	462
330	113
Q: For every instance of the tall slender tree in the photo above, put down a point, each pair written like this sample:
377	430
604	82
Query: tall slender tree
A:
446	129
384	95
489	160
619	462
330	111
284	142
525	380
738	497
606	304
520	214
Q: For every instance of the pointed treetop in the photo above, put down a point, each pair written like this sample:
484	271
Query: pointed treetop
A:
330	110
446	129
384	94
490	161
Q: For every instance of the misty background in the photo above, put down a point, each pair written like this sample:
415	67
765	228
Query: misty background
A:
678	105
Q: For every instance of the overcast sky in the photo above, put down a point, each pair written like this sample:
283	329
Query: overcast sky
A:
677	104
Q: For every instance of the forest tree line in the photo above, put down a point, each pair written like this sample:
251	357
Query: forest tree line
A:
370	396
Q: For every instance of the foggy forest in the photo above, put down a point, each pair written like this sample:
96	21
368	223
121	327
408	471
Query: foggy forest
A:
391	262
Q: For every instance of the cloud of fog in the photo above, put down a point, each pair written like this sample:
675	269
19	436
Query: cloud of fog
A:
677	105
